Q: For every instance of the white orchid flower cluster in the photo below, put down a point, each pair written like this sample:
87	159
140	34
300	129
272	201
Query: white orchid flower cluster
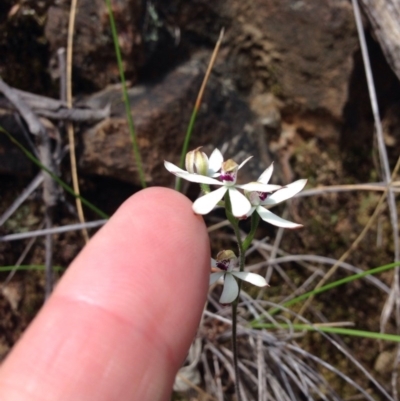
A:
257	197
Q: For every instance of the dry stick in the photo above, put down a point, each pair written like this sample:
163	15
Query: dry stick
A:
354	245
50	192
56	109
208	72
395	295
322	190
53	230
70	128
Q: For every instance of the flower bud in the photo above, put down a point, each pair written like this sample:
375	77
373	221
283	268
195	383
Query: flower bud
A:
196	162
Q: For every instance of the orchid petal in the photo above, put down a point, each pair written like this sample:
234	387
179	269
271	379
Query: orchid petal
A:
214	277
251	211
252	278
288	191
240	204
215	162
230	291
275	220
201	179
256	186
266	175
206	203
174	169
244	162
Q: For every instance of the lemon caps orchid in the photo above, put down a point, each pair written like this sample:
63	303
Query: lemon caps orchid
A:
241	206
227	261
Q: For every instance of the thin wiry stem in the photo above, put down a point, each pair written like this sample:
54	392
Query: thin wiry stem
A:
394	297
70	128
235	226
234	349
197	107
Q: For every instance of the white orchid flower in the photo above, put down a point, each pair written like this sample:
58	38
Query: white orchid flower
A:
227	180
227	261
261	201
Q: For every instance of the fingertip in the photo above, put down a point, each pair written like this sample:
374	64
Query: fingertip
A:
124	314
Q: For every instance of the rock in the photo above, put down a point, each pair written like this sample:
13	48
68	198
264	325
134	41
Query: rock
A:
94	61
161	113
301	51
384	19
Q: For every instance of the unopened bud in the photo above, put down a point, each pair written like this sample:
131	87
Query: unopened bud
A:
196	162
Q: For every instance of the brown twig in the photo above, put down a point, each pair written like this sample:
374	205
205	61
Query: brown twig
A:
70	128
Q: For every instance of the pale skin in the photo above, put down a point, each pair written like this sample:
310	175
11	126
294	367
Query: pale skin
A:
119	323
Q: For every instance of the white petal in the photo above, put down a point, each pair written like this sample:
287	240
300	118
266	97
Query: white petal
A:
251	211
214	277
252	278
244	162
240	204
288	191
266	175
198	178
256	186
275	220
230	291
207	202
215	161
173	169
213	263
201	179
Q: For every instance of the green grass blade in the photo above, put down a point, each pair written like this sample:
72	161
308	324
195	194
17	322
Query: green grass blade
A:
330	329
337	283
125	97
28	268
31	157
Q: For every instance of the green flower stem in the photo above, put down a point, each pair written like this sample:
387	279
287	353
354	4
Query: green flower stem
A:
205	188
234	348
255	219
